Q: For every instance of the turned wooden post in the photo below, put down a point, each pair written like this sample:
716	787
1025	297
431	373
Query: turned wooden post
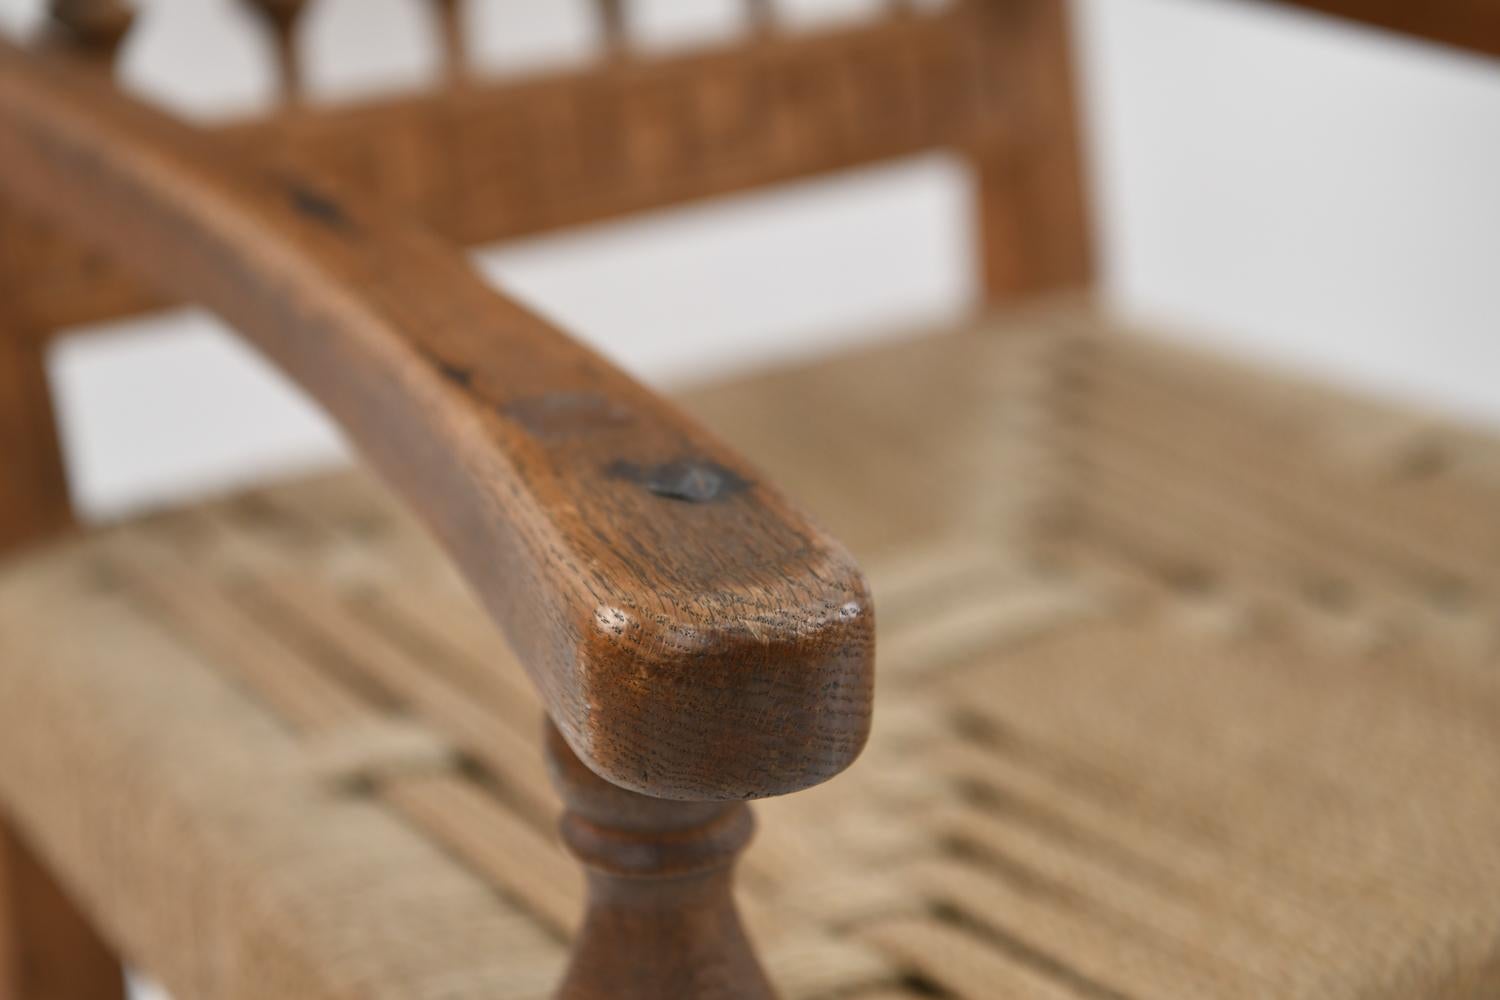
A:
48	950
33	489
661	918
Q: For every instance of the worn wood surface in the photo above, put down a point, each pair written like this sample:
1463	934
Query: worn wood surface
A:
48	950
693	635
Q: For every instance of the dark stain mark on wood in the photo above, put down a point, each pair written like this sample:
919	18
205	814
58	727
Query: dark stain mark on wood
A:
553	415
319	207
457	374
460	375
689	480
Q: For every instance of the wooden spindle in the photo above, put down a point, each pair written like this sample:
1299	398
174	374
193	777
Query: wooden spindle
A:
762	15
283	16
451	37
99	26
661	918
612	26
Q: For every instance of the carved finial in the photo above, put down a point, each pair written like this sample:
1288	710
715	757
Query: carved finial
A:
99	25
451	34
282	16
661	918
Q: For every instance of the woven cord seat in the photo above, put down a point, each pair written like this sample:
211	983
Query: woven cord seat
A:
1092	774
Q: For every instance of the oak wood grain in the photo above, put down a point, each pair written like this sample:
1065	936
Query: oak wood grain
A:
693	635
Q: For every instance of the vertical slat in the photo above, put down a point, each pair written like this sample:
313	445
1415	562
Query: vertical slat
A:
33	489
283	16
48	950
1033	216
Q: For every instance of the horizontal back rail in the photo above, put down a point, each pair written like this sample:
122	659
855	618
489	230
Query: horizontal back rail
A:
484	162
494	163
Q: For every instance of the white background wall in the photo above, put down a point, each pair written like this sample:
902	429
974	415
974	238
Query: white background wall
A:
1313	194
1320	195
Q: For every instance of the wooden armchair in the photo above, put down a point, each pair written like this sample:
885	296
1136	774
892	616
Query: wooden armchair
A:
1182	694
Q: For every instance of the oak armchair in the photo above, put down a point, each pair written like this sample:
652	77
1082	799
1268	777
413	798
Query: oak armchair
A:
270	746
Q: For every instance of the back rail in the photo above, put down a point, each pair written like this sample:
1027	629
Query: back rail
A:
485	162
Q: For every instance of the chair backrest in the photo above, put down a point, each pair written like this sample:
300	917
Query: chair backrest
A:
482	160
485	160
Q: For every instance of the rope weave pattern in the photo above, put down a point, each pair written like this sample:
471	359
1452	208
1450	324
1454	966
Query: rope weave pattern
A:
1213	712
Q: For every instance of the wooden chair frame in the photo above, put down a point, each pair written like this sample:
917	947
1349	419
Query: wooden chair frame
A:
665	599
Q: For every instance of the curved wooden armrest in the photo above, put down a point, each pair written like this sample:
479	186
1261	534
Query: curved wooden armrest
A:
693	635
